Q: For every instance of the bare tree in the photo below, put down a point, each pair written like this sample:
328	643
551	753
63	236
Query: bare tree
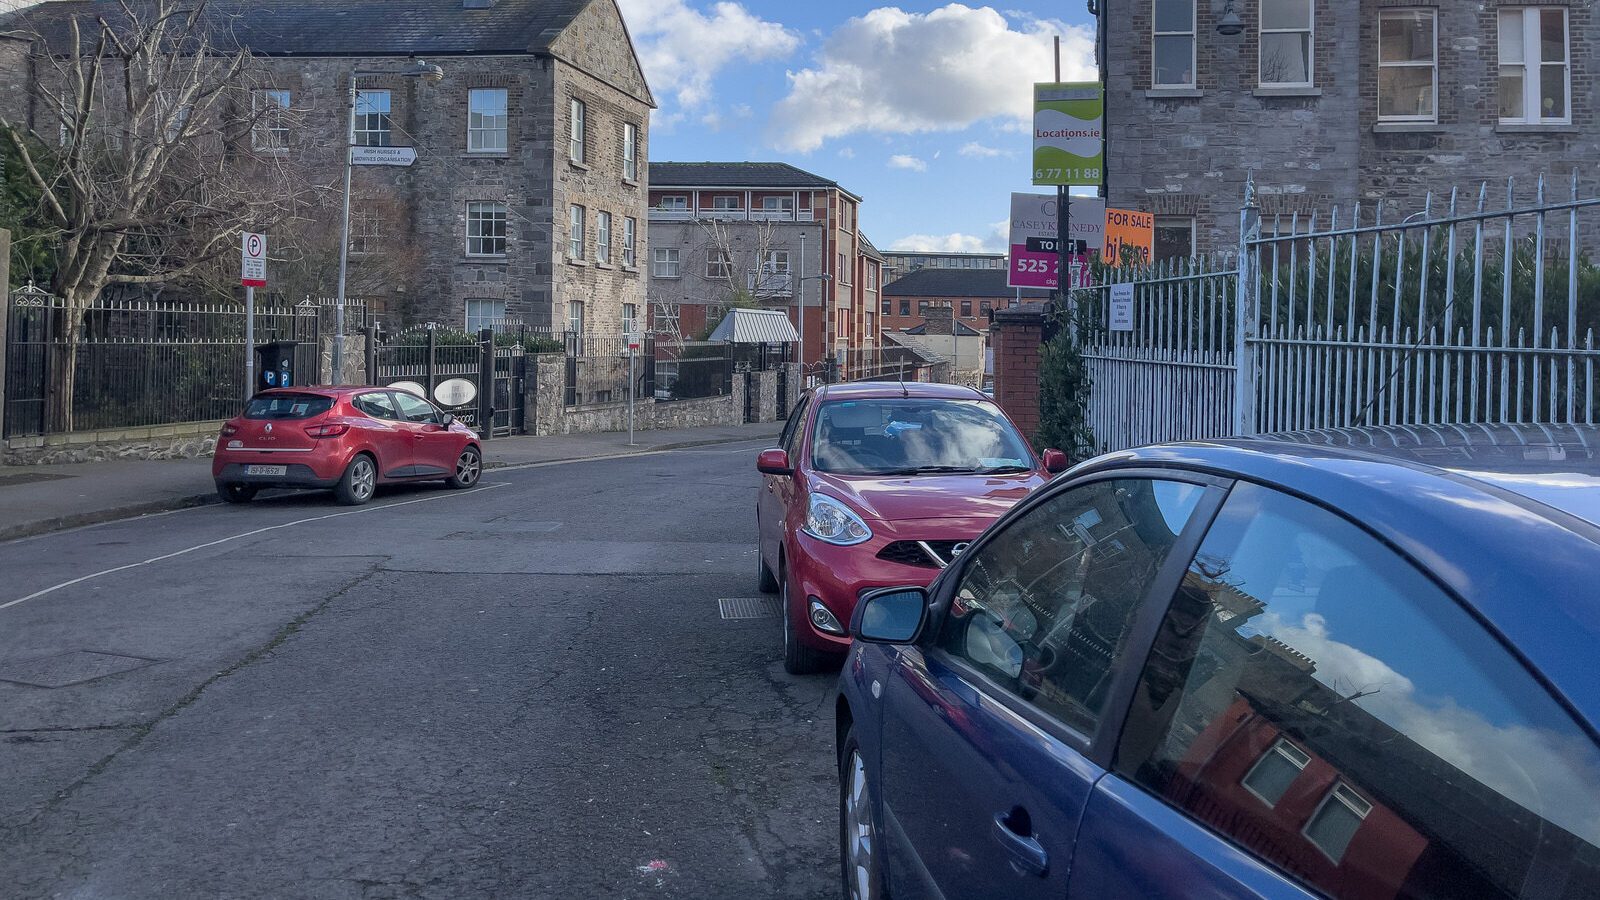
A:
143	153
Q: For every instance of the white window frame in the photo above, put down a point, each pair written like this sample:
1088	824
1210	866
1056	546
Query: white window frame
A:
577	223
630	318
269	128
630	151
602	237
480	317
575	316
1406	12
726	203
481	136
630	241
676	202
1310	31
1280	748
480	212
577	131
1194	230
1334	796
719	264
776	263
374	127
666	262
1533	64
1194	48
777	204
364	231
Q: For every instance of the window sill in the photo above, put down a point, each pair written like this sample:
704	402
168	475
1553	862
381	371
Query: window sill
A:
1536	128
572	163
601	265
1407	128
485	154
630	182
630	269
667	277
1289	91
1174	93
572	261
485	258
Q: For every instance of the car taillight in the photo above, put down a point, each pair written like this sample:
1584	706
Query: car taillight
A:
229	429
332	430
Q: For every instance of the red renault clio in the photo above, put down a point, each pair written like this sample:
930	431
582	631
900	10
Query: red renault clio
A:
880	484
350	439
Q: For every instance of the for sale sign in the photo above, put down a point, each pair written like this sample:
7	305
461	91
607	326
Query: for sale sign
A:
1033	257
253	260
1127	229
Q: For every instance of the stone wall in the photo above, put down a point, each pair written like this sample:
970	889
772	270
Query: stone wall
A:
547	412
185	441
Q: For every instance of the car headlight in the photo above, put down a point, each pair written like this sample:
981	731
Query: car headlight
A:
829	520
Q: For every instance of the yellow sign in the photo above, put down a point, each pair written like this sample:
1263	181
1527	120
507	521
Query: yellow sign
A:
1128	229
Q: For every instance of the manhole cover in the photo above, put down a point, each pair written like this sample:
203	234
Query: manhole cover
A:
72	667
29	478
749	607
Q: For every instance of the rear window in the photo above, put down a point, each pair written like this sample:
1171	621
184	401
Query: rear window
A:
287	406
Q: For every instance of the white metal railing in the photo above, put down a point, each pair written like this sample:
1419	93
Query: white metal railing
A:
1467	312
770	284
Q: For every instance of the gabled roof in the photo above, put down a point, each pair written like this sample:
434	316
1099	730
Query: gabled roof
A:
743	175
957	283
756	326
867	249
343	27
962	329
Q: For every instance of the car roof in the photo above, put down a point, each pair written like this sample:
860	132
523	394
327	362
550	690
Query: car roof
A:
871	390
1500	522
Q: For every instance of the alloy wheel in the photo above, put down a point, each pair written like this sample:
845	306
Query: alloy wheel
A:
468	467
363	478
857	832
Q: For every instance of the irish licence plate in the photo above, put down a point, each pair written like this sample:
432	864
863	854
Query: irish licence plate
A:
266	470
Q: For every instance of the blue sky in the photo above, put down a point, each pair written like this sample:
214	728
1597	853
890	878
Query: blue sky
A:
921	108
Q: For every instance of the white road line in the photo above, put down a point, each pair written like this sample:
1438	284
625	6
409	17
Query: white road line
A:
166	556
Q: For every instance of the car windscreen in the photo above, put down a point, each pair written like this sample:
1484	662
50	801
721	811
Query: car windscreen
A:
916	437
287	406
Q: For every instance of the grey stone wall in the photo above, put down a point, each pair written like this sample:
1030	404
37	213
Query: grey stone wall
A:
1188	152
185	441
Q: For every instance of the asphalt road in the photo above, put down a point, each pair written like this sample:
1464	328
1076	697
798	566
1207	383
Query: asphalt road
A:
525	690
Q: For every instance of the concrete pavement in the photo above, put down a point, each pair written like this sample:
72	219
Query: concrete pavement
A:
41	499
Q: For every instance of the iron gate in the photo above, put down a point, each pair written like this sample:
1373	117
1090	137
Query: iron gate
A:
471	377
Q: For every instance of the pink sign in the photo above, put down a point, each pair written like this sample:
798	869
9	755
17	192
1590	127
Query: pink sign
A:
1035	269
1033	259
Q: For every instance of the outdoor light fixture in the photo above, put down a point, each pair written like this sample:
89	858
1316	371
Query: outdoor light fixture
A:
1230	24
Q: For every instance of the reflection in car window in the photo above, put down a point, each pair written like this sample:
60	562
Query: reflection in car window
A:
916	436
1045	607
415	409
378	406
1319	701
287	406
791	430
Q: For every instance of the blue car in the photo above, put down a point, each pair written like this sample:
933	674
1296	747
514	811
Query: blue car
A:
1357	664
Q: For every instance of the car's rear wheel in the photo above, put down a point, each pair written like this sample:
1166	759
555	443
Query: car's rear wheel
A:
765	580
469	466
237	493
798	658
860	850
359	482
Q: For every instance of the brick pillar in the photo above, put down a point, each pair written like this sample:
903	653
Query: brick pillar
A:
1017	335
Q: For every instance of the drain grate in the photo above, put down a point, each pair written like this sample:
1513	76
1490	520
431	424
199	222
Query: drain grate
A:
749	607
71	667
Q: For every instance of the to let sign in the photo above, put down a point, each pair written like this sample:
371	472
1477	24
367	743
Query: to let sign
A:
253	260
1034	259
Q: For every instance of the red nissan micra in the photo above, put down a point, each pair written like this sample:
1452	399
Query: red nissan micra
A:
350	439
879	484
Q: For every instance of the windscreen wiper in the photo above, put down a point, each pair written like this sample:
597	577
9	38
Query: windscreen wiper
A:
933	470
1006	469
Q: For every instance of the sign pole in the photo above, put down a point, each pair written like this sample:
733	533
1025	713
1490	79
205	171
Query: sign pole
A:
252	274
249	342
1063	218
632	391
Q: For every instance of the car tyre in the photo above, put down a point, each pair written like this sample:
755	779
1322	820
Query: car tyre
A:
766	582
359	482
860	842
798	659
234	492
469	468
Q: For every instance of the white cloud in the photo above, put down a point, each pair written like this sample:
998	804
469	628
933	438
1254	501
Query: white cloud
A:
682	49
943	243
981	151
896	72
846	153
911	163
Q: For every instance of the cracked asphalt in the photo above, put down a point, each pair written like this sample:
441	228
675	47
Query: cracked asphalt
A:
525	690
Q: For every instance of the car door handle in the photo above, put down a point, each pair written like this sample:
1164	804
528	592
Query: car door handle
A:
1028	856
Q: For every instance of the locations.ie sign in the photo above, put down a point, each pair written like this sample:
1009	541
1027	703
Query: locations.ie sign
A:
1069	134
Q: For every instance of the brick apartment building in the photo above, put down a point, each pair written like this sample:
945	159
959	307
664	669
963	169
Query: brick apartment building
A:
966	295
527	197
768	232
1333	101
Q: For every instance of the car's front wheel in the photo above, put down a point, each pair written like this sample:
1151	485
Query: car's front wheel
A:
237	493
860	850
469	466
798	658
359	482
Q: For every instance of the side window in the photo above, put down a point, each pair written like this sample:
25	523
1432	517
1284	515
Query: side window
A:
415	409
378	406
1318	701
790	441
1045	607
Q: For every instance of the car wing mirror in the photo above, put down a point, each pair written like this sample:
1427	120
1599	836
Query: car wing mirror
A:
447	420
890	616
1055	462
774	462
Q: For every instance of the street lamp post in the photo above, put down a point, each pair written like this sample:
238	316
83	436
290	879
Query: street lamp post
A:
427	72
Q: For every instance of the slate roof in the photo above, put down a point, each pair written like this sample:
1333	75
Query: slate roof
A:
962	329
753	175
958	283
345	27
867	248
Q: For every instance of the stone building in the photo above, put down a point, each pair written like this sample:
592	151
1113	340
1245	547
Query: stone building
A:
527	196
1333	101
770	233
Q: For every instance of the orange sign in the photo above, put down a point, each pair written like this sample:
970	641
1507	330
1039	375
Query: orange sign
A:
1127	228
